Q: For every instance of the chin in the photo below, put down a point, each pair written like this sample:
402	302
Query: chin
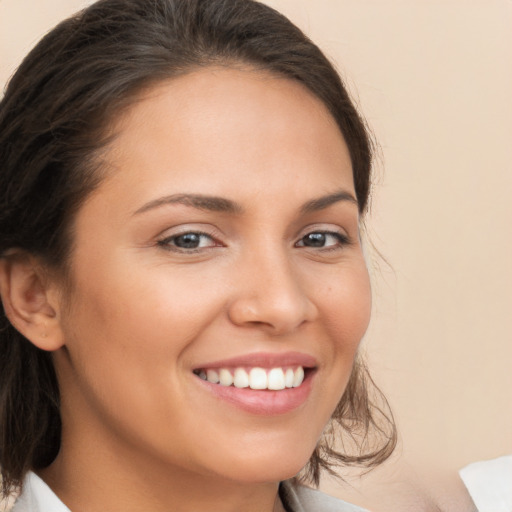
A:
274	468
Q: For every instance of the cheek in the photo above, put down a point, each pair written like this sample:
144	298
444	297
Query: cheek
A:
127	334
137	307
346	309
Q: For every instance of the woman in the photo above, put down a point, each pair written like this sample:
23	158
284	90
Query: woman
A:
182	276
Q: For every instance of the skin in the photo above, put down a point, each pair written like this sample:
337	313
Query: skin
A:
139	313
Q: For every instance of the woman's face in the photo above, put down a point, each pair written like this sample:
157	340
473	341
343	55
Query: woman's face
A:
223	241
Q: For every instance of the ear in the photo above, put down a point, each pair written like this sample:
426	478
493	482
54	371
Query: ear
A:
30	300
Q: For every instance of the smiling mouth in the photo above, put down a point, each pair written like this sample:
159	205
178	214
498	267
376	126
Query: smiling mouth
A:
257	378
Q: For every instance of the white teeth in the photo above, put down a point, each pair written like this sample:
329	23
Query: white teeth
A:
258	378
212	376
298	377
241	379
288	378
225	377
276	379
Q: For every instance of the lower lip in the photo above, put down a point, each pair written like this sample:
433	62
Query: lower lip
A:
263	402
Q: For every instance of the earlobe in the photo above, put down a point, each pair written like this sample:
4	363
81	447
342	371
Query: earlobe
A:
29	301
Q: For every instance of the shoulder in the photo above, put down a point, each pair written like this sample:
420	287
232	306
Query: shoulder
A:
299	498
36	496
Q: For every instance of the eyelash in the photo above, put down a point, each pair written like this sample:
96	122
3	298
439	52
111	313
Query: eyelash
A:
167	242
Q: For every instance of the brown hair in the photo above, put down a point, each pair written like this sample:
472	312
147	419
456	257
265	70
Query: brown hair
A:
53	120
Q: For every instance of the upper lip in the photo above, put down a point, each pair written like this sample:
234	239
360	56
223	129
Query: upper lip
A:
264	360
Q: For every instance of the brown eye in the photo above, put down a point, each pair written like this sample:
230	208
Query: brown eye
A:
314	240
188	241
322	239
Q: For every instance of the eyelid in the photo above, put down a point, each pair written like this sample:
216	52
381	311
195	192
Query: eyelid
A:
323	228
184	228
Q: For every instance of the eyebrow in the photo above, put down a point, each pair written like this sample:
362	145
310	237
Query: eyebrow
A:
199	201
321	203
220	204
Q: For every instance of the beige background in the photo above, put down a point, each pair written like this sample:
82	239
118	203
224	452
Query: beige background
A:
434	79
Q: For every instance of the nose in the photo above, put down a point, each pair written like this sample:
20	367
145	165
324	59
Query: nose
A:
268	294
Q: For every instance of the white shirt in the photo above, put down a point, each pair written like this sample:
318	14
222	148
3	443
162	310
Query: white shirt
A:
490	484
38	497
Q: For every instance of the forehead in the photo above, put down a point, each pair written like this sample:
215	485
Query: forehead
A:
228	129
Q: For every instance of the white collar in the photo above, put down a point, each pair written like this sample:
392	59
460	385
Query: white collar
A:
488	483
36	496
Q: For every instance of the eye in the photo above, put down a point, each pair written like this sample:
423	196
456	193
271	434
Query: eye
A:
322	239
189	241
